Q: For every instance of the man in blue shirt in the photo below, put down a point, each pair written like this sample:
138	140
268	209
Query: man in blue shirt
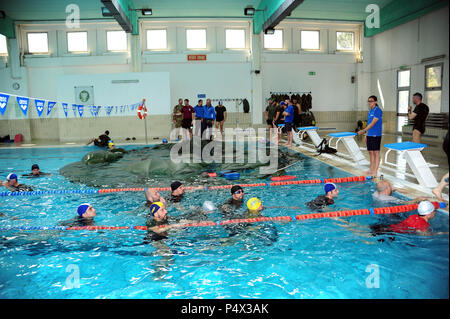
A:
209	115
198	118
288	120
374	132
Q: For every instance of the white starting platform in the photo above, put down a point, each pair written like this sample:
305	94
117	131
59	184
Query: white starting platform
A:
411	152
353	149
312	133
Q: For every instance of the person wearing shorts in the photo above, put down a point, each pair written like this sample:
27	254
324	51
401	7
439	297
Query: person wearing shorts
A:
374	132
186	123
289	120
221	117
279	118
419	115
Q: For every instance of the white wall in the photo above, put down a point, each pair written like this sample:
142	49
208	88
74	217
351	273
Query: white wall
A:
406	45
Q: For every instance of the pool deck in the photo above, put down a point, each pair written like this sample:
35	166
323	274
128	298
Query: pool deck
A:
432	154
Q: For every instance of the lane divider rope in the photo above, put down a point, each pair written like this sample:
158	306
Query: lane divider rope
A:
344	213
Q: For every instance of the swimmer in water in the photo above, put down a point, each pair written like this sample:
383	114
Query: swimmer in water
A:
323	201
35	172
13	185
234	203
86	213
158	222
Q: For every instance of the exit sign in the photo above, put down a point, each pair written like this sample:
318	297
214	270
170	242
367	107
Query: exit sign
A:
196	57
312	73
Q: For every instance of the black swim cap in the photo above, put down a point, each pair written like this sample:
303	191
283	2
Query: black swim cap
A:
34	166
235	188
175	185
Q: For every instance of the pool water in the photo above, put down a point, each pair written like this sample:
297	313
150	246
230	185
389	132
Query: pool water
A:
320	258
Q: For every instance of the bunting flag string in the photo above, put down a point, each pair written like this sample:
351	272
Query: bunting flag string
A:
24	103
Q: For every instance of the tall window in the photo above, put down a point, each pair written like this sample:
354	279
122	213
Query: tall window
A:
403	91
156	39
433	87
196	38
310	40
37	42
3	46
345	41
235	39
116	41
274	41
77	42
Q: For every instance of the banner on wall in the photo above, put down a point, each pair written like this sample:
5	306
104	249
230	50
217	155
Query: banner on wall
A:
50	106
3	102
23	104
84	95
65	106
40	104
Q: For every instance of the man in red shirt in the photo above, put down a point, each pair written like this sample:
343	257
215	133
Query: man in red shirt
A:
187	123
415	223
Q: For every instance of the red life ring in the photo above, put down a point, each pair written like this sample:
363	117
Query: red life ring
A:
142	111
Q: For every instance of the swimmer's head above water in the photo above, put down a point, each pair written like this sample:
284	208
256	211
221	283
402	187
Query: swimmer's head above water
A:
254	204
331	190
237	193
426	210
177	188
158	211
86	211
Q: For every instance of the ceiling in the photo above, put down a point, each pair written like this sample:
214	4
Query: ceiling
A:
44	10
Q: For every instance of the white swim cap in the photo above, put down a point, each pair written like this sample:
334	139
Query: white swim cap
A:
425	208
209	206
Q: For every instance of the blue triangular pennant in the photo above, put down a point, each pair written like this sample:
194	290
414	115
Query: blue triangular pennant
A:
3	102
23	104
40	104
50	106
74	109
64	105
80	109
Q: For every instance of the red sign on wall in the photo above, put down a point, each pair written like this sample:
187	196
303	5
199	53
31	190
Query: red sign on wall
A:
196	57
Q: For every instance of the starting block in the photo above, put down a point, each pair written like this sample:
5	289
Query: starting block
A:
348	139
312	133
413	156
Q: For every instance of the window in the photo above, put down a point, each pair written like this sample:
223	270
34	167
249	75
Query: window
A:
116	41
274	41
77	42
196	39
37	42
3	46
403	91
156	39
310	40
345	41
235	39
433	87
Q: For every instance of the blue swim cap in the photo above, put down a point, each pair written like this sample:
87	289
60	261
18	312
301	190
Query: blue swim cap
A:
164	141
282	103
11	176
155	207
82	209
329	187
